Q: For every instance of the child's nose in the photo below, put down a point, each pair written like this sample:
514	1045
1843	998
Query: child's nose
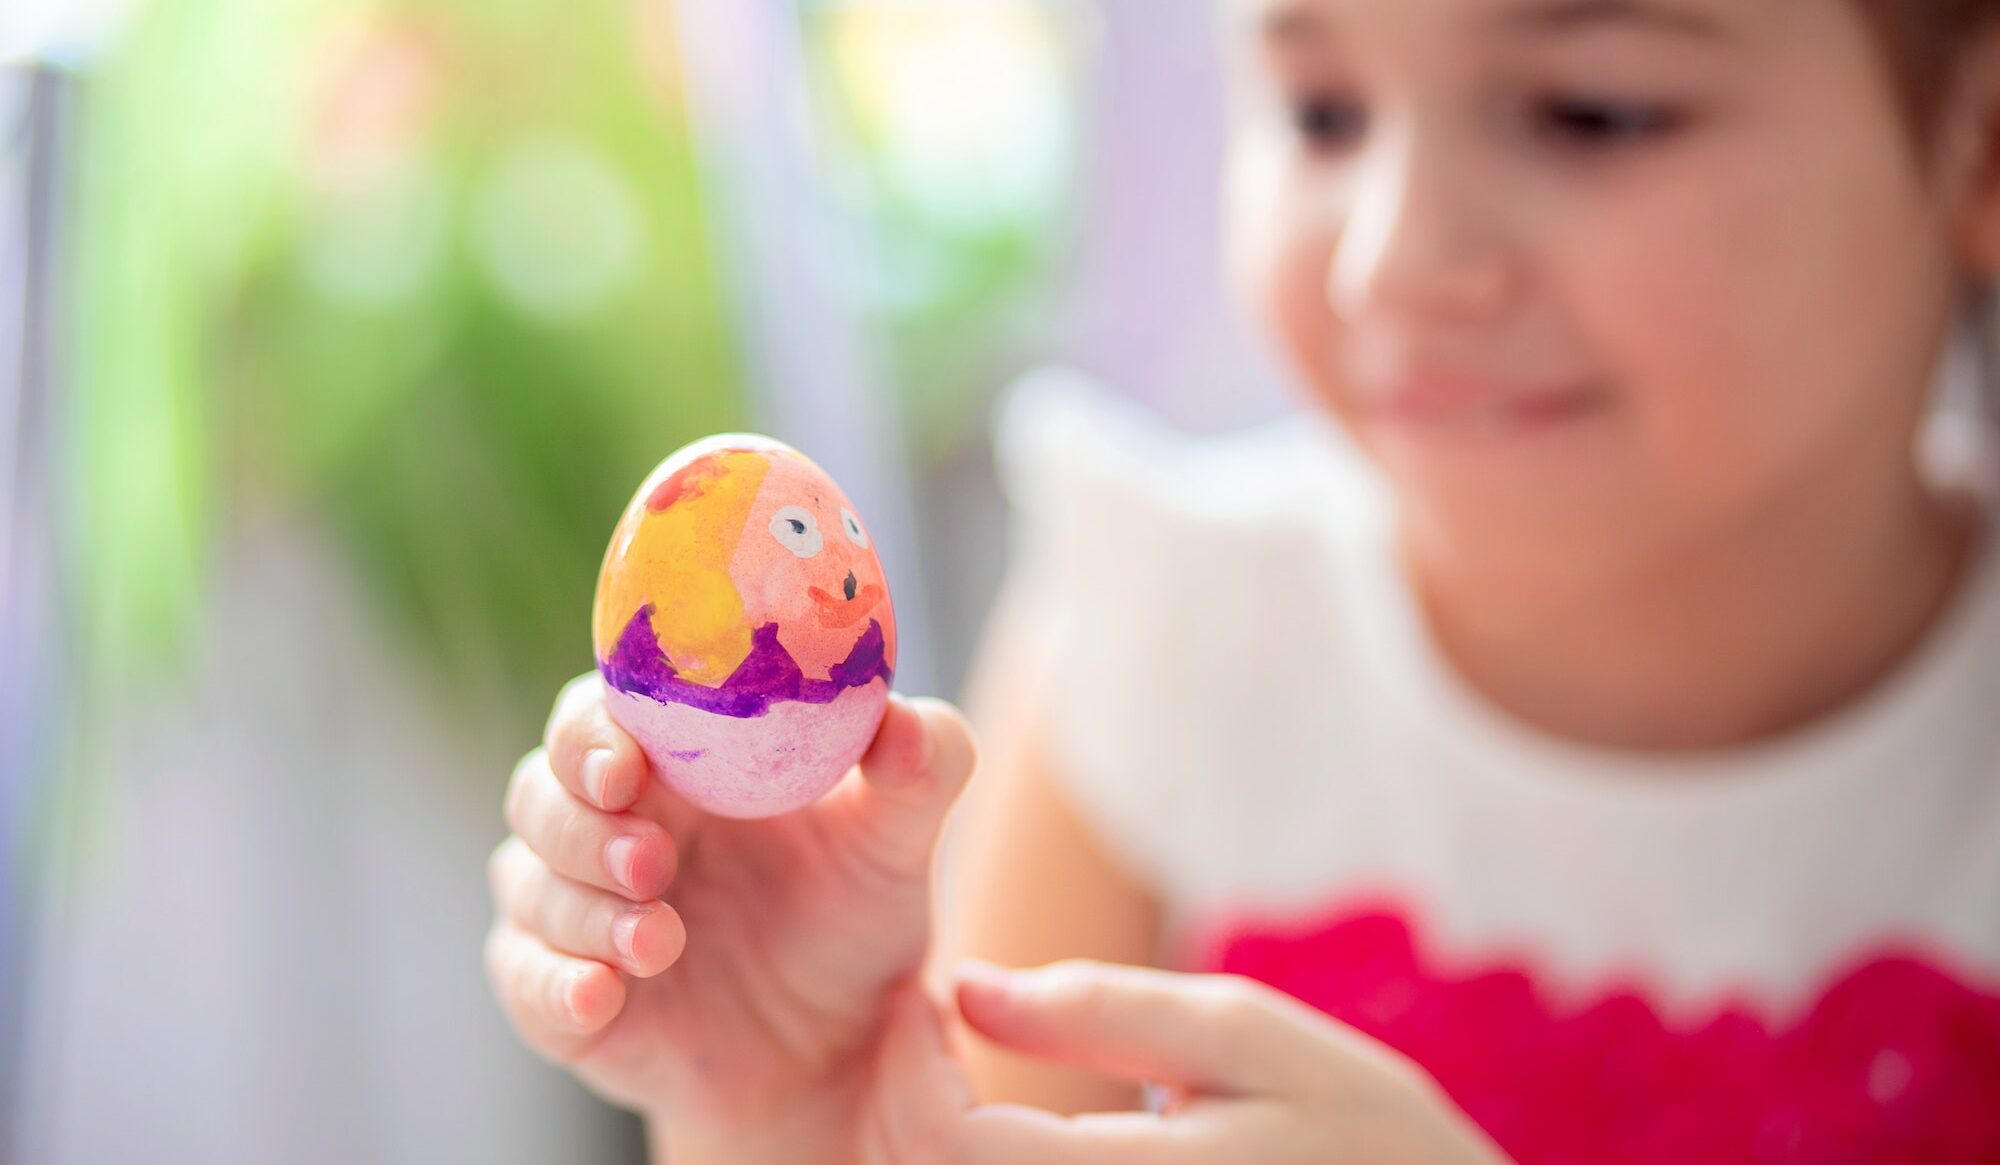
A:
1421	240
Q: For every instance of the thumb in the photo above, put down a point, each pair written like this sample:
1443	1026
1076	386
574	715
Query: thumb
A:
1217	1034
923	1109
915	768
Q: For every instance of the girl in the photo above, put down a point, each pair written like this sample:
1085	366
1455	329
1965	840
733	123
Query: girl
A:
1587	708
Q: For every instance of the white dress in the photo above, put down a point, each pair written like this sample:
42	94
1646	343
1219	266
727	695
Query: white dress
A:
1789	952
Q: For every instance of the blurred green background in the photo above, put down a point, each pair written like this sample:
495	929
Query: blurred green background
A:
334	336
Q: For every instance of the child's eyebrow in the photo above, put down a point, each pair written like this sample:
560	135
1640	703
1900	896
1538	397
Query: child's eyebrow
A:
1290	24
1558	16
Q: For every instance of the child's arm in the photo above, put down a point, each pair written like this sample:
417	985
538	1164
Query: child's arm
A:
1025	882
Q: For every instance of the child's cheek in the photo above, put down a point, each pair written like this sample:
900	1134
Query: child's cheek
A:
1281	230
1294	304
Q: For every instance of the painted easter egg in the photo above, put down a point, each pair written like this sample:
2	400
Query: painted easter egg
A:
743	626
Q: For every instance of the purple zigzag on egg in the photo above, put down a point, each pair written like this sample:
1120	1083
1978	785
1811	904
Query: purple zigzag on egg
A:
767	675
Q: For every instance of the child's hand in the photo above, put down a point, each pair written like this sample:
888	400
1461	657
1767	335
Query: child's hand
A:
1254	1076
795	930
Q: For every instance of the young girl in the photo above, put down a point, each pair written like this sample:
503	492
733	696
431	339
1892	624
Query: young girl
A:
1577	738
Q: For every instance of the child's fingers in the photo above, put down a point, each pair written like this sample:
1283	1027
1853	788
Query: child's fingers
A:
659	803
593	757
926	1112
557	1002
602	765
1215	1033
914	770
643	938
624	853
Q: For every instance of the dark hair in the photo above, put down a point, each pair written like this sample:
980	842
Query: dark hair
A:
1924	43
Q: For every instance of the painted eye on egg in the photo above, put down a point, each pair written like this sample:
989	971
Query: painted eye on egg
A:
797	531
852	525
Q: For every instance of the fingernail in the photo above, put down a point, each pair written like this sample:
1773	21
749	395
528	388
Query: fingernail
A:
597	774
625	933
619	857
981	973
568	991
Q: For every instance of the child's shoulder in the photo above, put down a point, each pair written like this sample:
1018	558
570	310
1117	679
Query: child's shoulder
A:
1201	605
1076	459
1216	548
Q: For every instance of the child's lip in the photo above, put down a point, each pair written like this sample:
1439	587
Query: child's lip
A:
1475	404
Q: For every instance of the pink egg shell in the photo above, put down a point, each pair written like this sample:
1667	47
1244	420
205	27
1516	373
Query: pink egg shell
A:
750	769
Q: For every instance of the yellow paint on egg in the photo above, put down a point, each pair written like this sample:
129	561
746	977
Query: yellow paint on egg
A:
677	558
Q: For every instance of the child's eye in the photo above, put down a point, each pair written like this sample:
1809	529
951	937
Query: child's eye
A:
1329	122
1592	124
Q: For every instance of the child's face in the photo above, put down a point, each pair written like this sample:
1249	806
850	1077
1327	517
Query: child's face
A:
1594	277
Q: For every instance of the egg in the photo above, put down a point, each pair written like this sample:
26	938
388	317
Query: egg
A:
744	628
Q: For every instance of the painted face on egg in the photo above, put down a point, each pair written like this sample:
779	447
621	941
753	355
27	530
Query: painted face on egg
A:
813	574
741	585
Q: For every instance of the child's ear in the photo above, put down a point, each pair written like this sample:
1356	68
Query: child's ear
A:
1968	155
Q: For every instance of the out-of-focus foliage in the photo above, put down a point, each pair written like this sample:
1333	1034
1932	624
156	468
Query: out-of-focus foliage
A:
431	276
949	131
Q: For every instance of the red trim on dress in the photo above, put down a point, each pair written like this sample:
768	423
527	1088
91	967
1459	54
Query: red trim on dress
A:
1896	1062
